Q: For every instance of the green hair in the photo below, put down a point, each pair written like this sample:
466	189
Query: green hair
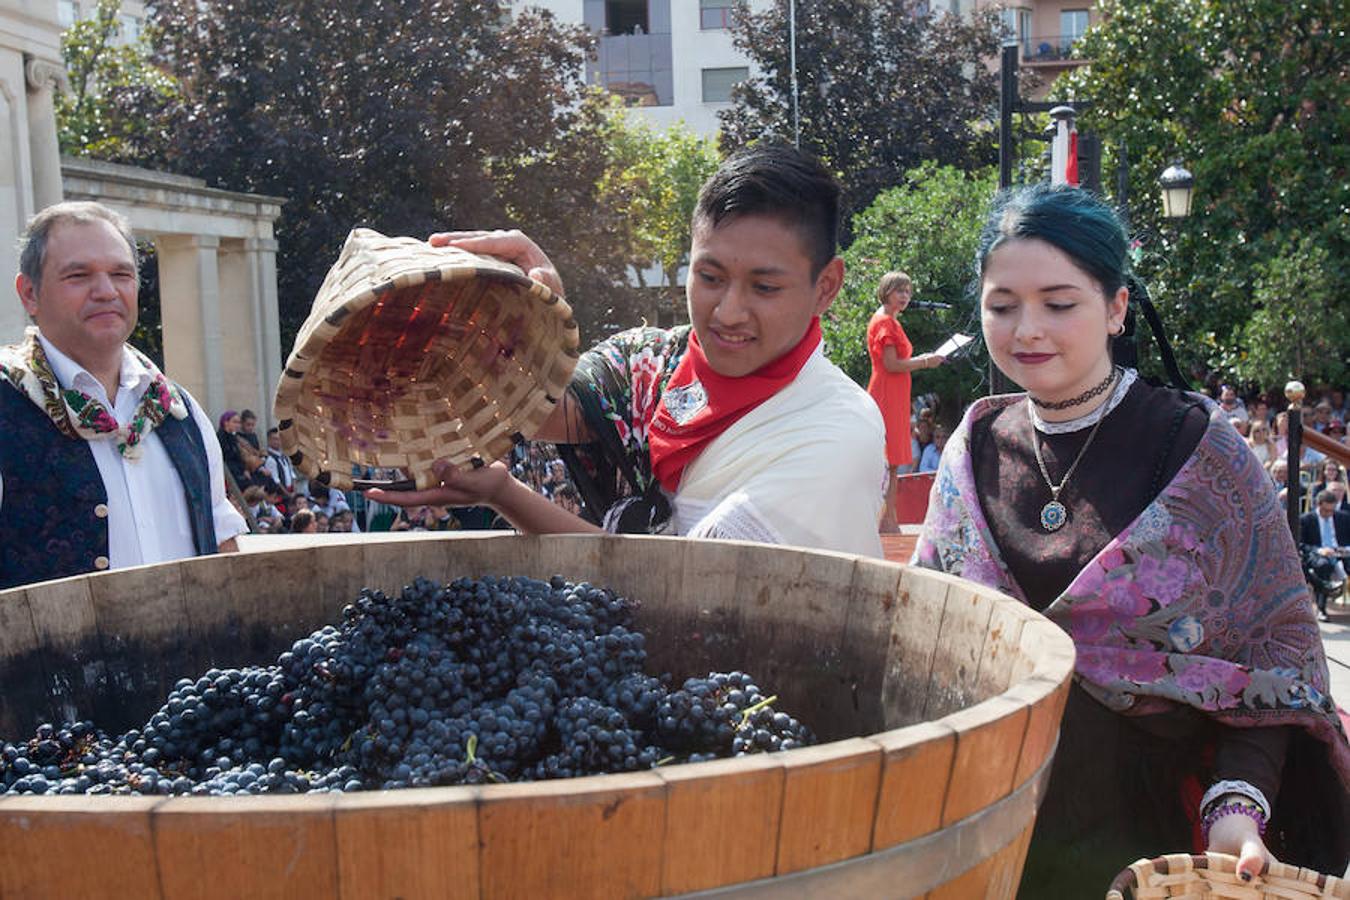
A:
1070	219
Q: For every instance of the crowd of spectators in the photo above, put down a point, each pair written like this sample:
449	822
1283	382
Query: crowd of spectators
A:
276	499
927	438
1263	420
540	467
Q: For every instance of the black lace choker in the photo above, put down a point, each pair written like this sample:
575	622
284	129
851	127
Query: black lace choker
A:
1081	398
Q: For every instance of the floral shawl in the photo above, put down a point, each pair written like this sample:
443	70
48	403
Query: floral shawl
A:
1200	601
618	384
77	415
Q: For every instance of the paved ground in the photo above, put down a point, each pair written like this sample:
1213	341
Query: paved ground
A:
1336	639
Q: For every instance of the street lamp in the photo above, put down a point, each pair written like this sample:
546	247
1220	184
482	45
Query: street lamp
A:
1177	186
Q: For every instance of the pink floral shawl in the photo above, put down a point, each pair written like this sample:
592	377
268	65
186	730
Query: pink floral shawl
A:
1200	601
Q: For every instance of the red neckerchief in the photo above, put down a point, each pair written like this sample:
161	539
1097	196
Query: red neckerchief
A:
698	404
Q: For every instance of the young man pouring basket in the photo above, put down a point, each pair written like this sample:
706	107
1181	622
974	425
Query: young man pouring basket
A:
734	427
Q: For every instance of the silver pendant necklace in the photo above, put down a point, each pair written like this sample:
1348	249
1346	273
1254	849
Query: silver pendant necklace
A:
1054	514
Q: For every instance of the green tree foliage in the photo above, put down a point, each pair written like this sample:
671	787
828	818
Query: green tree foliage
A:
116	97
927	227
149	334
1297	322
407	116
654	178
882	86
1252	95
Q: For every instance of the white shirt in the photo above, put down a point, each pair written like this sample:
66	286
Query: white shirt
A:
1328	526
147	516
805	467
280	468
337	503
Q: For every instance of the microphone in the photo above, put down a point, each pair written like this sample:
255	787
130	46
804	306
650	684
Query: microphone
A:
928	304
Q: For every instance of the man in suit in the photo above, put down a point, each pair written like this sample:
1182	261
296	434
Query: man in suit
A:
1320	533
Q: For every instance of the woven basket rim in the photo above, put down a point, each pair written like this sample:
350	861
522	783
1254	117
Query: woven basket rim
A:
447	273
1198	865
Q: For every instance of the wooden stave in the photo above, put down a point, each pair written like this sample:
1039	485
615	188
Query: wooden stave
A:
794	780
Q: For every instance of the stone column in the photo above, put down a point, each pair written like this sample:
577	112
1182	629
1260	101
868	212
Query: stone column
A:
16	188
271	353
44	79
240	328
189	296
251	342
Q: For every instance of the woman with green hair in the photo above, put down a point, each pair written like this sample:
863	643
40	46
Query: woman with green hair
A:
1136	518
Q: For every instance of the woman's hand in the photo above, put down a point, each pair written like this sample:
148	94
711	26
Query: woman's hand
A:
1237	835
459	487
511	246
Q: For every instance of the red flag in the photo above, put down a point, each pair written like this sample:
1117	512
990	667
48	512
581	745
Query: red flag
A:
1071	164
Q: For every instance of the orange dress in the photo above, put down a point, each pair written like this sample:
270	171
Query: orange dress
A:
891	389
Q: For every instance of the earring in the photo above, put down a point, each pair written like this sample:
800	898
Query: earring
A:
1118	330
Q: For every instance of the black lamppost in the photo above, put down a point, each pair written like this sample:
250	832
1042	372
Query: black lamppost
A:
1294	392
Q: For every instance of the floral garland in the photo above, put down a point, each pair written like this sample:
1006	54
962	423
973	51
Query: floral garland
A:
75	413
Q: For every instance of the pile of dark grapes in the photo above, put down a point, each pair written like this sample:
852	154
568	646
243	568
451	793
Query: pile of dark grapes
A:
479	681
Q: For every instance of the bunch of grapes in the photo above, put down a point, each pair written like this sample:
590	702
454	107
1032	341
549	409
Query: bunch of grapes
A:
594	738
479	681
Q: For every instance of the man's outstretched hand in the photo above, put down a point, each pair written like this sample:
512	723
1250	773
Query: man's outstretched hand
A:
459	487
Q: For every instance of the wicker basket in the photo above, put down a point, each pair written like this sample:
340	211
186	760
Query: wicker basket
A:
414	353
1214	876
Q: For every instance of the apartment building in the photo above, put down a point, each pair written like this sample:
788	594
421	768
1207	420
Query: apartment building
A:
1047	33
131	18
673	60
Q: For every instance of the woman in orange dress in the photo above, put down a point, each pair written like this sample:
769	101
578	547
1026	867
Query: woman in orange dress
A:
892	361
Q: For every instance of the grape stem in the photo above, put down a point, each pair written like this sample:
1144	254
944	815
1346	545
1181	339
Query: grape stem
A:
751	710
471	758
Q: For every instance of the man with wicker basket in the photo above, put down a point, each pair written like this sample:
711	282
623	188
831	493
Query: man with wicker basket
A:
104	462
734	427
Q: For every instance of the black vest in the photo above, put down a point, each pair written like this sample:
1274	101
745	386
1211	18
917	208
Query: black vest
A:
53	516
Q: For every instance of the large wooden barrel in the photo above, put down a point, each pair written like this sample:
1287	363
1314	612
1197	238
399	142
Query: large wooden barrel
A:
940	702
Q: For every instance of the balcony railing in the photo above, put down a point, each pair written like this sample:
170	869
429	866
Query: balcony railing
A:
1051	48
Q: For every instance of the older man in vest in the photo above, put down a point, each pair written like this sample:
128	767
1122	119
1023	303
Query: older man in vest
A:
104	463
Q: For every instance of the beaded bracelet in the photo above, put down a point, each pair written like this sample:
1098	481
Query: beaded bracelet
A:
1244	807
1219	789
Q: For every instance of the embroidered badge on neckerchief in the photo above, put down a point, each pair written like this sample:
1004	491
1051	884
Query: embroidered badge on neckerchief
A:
683	403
